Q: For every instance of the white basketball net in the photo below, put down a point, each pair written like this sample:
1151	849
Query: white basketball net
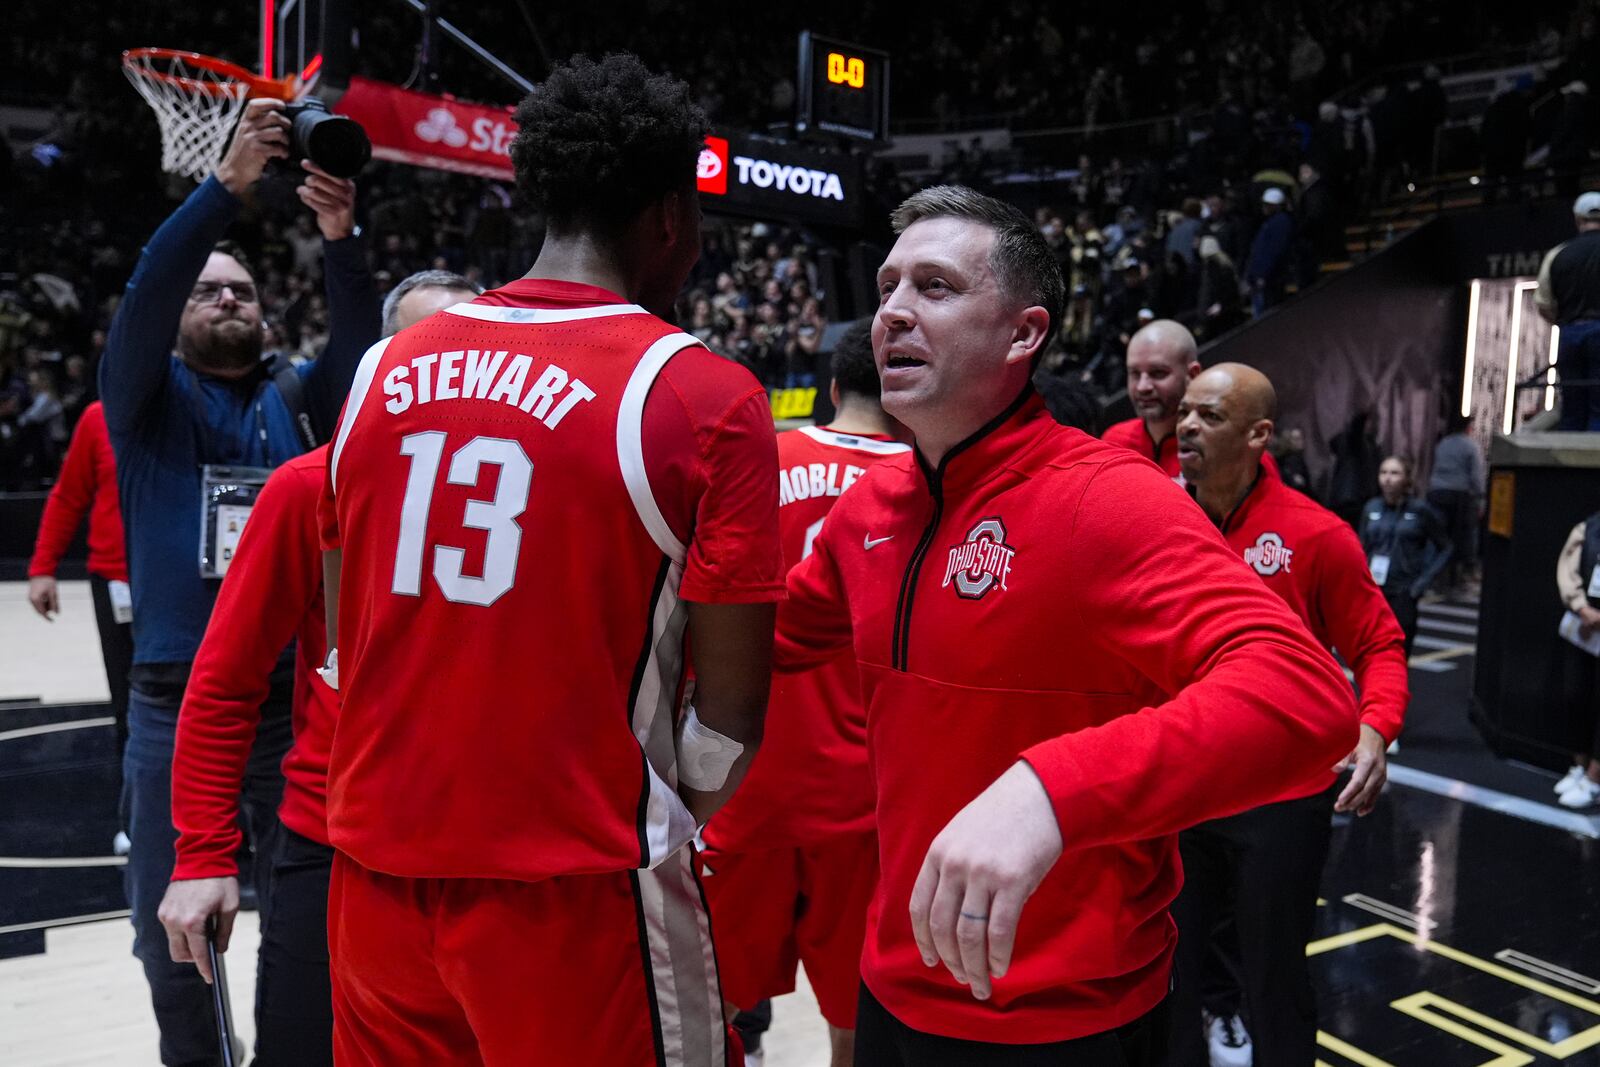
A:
195	107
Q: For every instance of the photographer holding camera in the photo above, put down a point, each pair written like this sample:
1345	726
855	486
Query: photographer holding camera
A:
197	419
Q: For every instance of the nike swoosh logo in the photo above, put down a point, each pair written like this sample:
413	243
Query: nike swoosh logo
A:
869	543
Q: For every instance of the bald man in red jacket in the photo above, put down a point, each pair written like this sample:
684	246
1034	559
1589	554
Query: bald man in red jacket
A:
1268	861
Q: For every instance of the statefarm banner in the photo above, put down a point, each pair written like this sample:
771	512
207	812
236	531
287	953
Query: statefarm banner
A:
431	131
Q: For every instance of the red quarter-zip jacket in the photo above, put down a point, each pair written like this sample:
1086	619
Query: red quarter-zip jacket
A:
87	486
1045	596
1135	435
1311	558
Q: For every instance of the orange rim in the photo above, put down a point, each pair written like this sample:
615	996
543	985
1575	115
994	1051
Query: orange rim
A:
138	60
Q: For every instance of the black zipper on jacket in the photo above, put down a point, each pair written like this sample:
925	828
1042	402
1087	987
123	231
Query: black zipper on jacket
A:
1227	520
900	640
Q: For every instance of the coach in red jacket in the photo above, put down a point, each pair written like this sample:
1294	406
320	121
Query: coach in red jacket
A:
1268	862
1062	663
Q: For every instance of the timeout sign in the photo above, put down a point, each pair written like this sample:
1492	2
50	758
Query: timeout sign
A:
773	179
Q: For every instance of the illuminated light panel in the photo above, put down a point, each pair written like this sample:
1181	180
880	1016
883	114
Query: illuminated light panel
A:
1550	375
1511	358
1472	349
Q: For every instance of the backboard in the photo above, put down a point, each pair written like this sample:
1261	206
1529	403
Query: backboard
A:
310	39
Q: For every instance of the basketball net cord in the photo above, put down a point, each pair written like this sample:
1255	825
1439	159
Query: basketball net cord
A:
195	107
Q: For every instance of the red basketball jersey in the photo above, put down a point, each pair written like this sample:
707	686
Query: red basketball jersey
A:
511	634
809	783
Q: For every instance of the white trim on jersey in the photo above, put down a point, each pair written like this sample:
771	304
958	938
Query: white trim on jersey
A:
668	825
683	966
850	440
365	372
524	316
630	441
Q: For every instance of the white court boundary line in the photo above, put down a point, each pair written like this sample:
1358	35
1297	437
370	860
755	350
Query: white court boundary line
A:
33	863
70	920
1548	971
1390	912
55	728
1494	800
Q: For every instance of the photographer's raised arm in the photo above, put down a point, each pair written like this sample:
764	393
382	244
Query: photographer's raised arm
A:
139	348
355	317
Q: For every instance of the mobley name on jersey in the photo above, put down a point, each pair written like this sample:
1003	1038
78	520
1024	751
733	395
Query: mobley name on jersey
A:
473	374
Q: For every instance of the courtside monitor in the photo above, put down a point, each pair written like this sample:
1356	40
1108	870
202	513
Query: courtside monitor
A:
844	90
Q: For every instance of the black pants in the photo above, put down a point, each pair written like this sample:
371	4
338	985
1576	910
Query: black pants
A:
1404	606
1579	360
1460	512
1580	675
294	997
1264	866
884	1041
116	648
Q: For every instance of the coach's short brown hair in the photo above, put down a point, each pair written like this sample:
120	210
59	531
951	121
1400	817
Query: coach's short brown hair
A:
1021	260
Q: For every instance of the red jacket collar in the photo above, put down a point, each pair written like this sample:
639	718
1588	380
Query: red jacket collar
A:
1265	486
993	446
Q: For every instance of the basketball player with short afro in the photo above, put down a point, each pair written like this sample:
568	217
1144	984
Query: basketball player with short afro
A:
512	786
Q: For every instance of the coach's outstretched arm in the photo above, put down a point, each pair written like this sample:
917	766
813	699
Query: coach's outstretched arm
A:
139	346
732	648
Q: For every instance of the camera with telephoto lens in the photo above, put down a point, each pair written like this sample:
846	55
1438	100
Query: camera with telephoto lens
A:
336	143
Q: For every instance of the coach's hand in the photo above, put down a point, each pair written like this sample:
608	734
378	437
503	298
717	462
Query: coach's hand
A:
262	134
333	199
980	870
1371	763
43	596
184	912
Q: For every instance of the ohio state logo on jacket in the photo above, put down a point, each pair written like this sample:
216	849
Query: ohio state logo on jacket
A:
1268	555
981	562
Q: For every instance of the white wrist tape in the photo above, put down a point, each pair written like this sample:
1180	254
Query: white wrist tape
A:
329	671
704	756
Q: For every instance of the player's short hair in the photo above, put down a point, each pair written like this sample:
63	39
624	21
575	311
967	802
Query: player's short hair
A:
423	279
599	140
1071	403
852	364
1021	259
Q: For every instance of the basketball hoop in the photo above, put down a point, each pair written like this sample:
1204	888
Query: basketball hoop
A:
197	99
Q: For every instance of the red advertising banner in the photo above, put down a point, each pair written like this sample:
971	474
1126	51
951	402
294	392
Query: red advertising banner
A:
431	131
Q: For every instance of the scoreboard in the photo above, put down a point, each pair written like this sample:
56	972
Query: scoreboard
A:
843	90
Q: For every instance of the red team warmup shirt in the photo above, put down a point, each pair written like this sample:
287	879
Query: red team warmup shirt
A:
87	486
271	596
517	549
1311	558
809	782
1133	434
1042	595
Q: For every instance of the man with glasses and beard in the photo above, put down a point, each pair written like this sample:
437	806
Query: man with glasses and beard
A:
196	418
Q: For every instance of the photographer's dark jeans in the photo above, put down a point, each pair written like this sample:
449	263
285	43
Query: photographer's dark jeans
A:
181	998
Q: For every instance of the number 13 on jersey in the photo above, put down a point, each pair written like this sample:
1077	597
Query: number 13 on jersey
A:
497	517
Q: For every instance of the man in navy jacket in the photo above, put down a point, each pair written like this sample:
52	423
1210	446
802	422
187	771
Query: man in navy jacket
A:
1268	268
183	386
